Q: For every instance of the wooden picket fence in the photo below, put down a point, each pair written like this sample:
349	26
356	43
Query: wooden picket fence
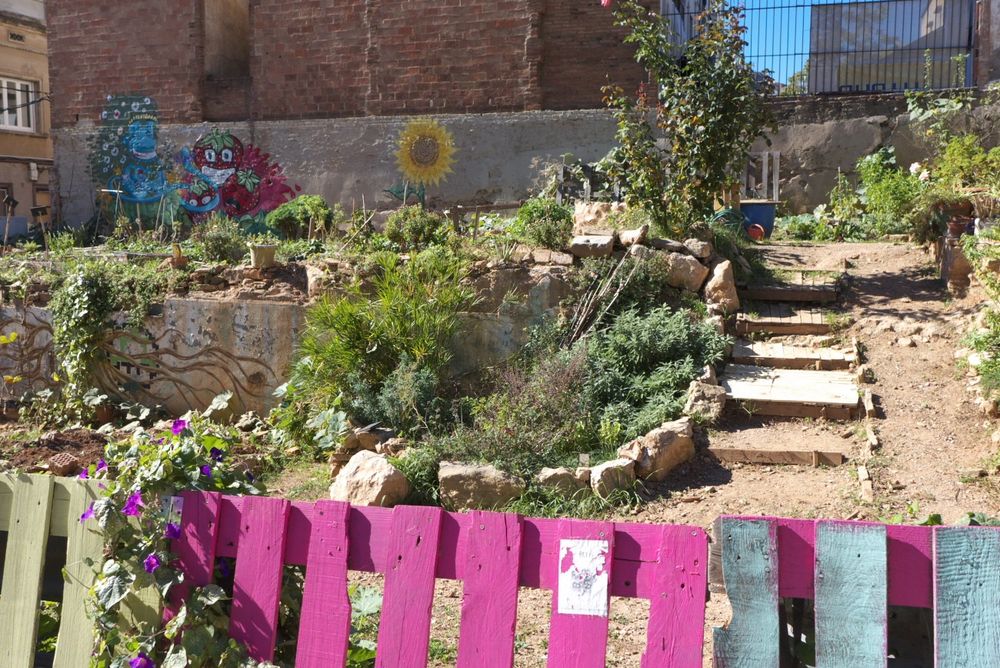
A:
34	508
853	571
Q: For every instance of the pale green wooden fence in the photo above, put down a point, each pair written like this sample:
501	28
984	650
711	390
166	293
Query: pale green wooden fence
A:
32	508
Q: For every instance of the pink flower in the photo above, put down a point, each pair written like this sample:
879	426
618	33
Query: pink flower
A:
133	505
151	563
141	661
178	427
606	3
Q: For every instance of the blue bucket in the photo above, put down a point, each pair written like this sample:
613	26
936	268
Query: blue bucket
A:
760	212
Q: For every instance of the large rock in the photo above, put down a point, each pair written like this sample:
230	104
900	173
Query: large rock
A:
612	475
720	290
706	401
476	486
561	479
700	249
684	271
592	217
660	451
632	237
369	479
592	246
669	245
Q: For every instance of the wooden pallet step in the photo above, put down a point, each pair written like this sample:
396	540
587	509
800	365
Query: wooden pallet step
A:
792	392
791	457
790	292
782	356
783	318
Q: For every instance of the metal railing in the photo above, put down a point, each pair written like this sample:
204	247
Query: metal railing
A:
837	46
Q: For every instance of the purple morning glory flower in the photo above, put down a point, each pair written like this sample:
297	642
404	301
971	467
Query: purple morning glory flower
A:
206	470
250	477
133	504
141	661
101	465
178	427
151	563
84	474
216	454
173	531
87	514
225	570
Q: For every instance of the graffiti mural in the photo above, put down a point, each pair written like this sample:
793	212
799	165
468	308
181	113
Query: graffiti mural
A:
223	176
141	176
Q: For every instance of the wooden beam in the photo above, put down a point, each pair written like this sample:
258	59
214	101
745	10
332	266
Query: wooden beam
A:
787	457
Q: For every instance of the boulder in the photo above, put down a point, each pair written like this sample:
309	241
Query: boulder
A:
590	217
641	252
391	447
700	249
583	475
660	451
683	271
612	475
561	479
369	479
547	256
720	290
476	486
632	237
592	246
706	401
669	245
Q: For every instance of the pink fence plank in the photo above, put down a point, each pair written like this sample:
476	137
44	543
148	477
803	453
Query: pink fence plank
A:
490	584
326	609
578	634
195	548
404	629
910	561
259	569
675	633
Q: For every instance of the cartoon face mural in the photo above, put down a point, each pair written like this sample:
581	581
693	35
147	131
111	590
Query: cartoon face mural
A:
218	174
227	177
124	156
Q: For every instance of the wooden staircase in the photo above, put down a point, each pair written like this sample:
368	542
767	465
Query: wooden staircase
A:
791	380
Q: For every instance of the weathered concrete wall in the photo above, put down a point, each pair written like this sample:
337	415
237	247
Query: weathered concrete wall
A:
498	155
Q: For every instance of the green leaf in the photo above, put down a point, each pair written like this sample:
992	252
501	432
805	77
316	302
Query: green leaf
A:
113	589
177	658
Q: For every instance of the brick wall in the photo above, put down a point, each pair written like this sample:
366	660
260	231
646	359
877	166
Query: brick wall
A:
581	52
97	48
337	58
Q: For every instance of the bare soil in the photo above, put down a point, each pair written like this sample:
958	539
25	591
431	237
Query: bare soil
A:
32	455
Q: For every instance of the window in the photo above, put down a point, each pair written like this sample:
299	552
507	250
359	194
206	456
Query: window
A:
19	102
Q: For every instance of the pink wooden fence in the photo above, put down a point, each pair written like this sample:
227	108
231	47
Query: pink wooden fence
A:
582	563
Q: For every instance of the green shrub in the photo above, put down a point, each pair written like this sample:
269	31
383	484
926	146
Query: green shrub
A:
222	240
414	228
888	193
799	228
305	216
845	205
639	368
382	347
543	222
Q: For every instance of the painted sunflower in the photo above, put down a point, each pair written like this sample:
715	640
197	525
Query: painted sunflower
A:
426	151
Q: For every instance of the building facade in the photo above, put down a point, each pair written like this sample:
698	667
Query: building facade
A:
25	141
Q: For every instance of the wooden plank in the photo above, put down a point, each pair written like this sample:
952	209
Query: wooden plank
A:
84	554
851	595
578	631
750	570
785	409
966	596
489	590
23	567
196	547
60	522
259	571
778	355
325	627
798	386
404	630
868	400
675	634
788	457
790	292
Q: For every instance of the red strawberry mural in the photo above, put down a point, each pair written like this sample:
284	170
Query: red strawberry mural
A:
240	180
